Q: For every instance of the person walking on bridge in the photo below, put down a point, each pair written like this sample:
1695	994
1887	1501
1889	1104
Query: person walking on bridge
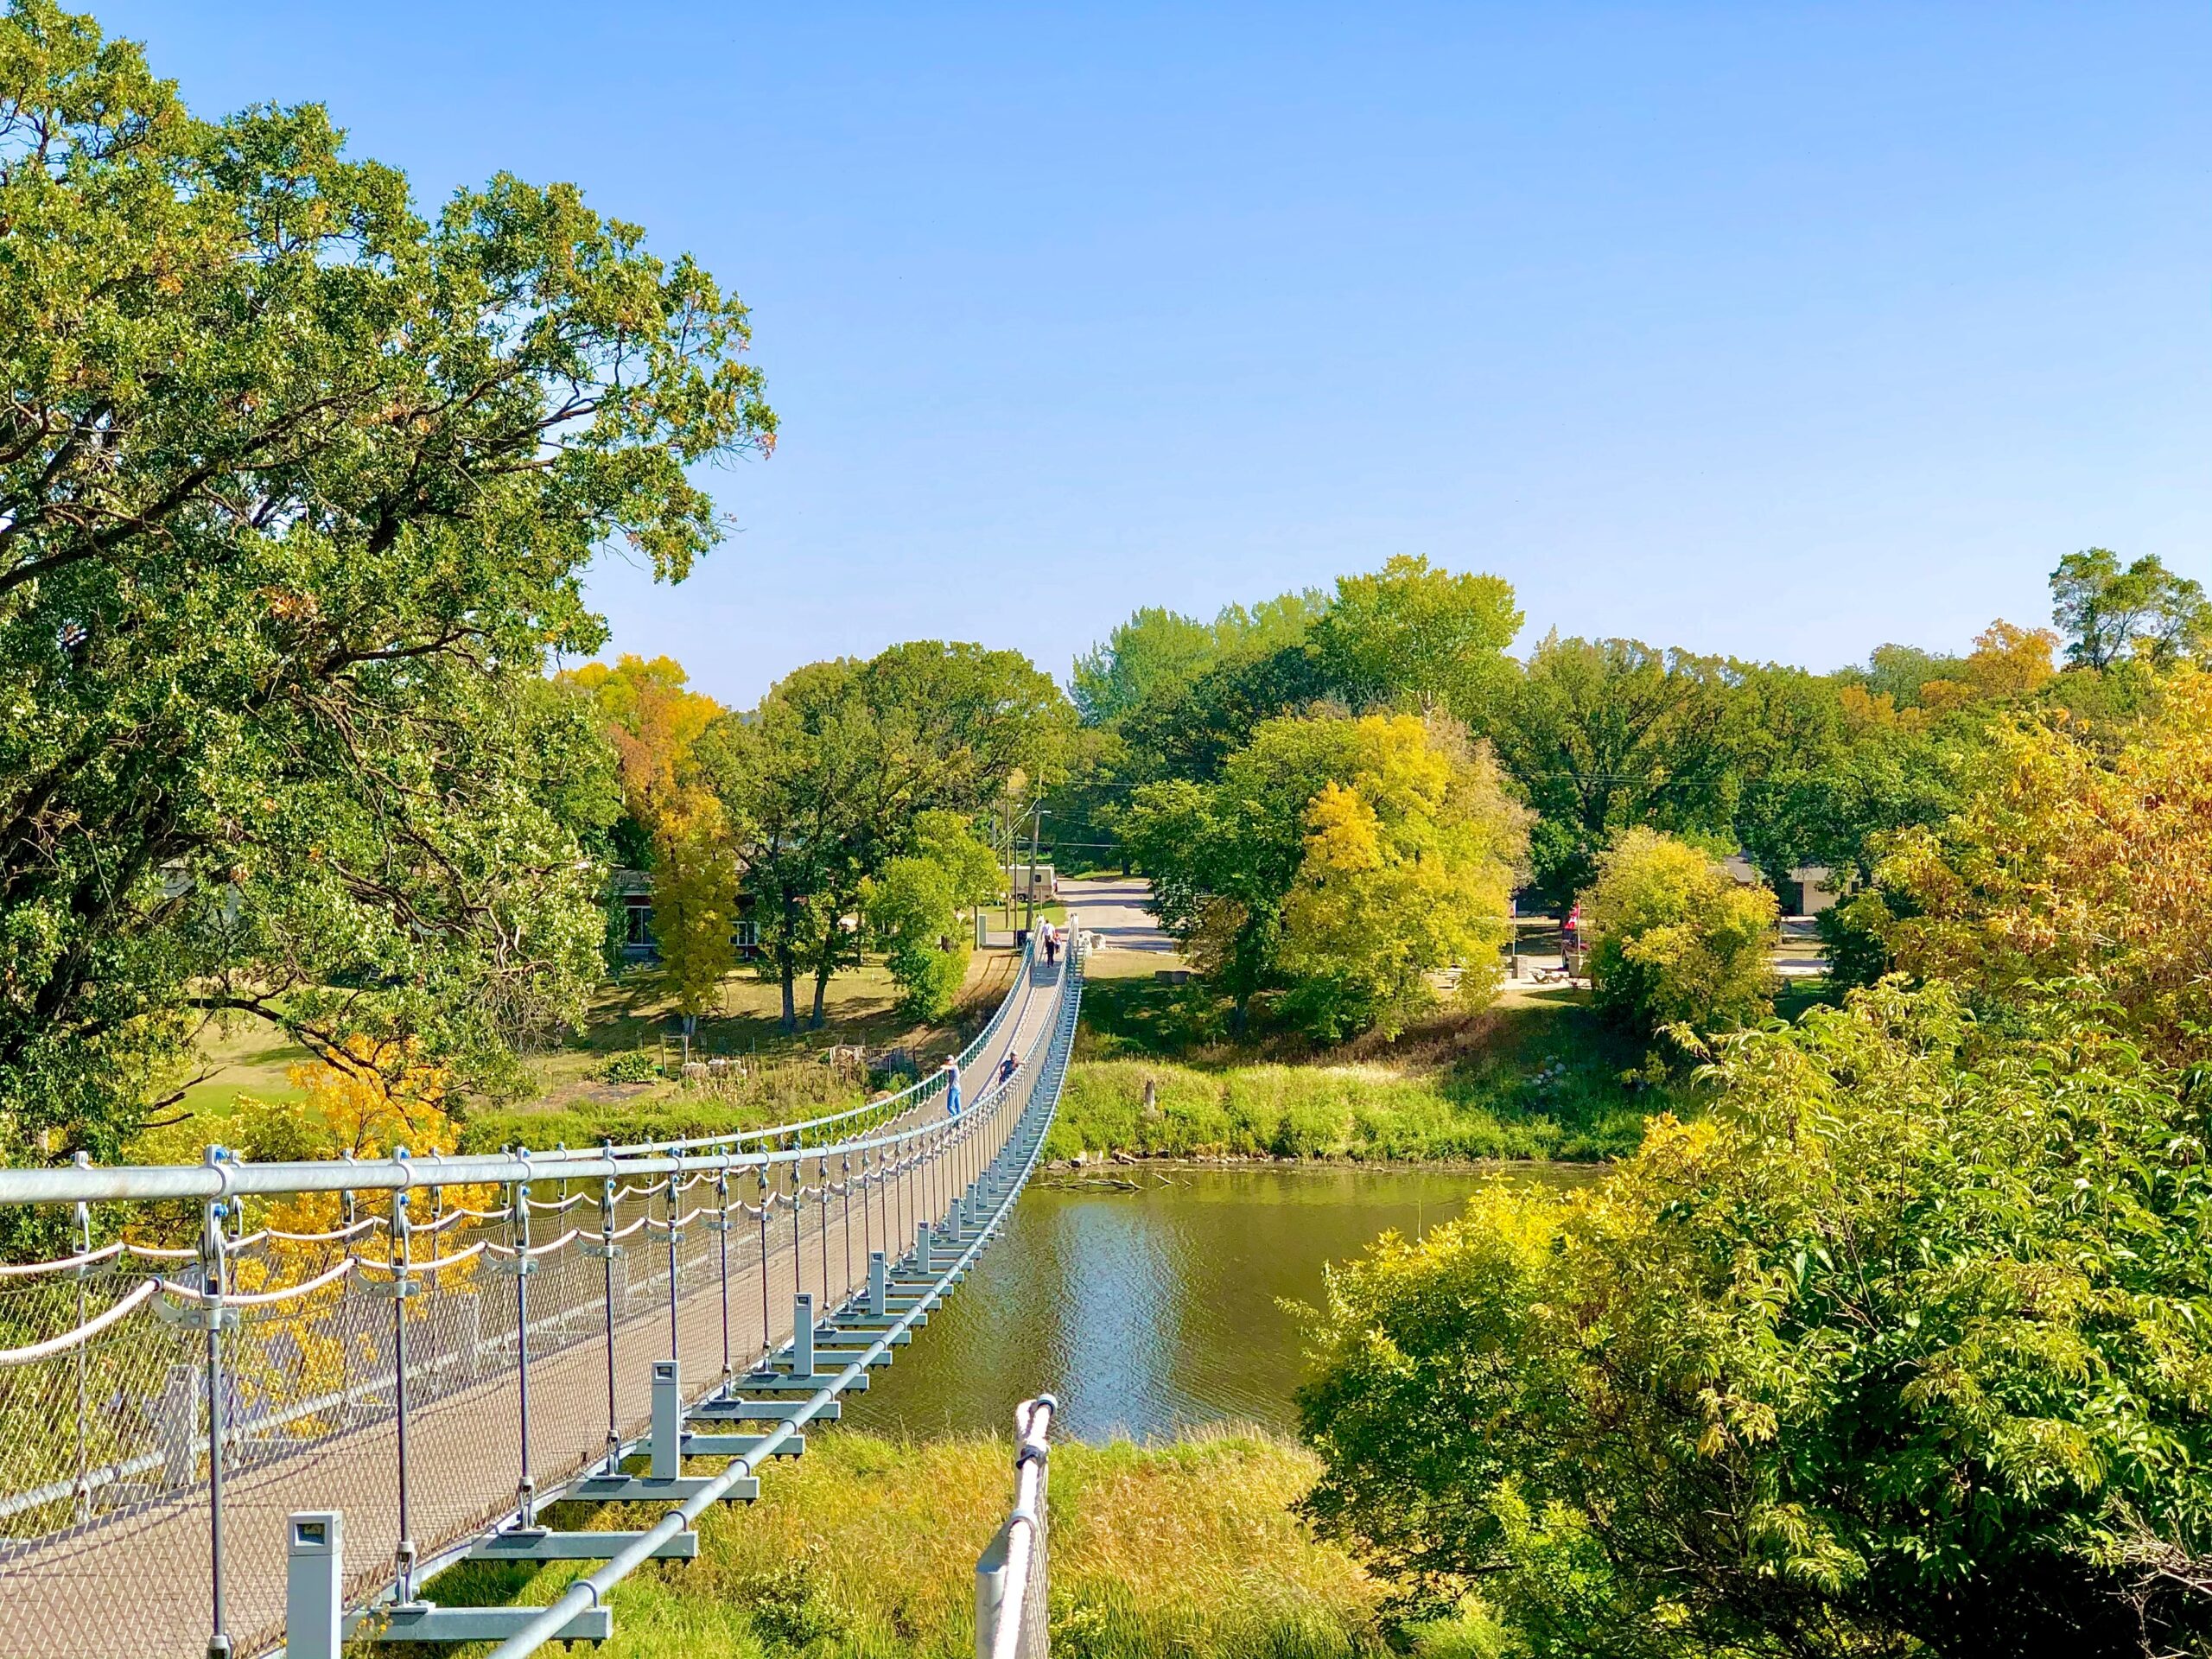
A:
952	1088
1051	944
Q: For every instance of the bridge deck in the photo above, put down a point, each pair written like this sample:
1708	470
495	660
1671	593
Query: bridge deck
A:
135	1583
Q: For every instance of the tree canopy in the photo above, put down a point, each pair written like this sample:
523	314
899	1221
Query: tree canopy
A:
296	487
1900	1350
1676	941
2112	614
831	774
1158	652
1417	632
1605	734
2075	855
1343	858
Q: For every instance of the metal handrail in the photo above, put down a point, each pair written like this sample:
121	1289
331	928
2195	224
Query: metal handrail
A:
591	1590
229	1177
914	1094
1003	1130
1011	1577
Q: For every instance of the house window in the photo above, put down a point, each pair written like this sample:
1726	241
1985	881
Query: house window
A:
638	920
747	937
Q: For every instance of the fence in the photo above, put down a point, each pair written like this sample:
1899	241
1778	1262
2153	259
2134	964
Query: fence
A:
1013	1579
437	1348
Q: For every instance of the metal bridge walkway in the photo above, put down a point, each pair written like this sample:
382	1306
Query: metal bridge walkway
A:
108	1544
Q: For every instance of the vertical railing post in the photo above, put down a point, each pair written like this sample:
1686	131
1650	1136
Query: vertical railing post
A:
845	1182
83	1506
401	1287
799	1244
608	1250
878	1284
675	1239
766	1349
721	1233
214	1282
518	1236
822	1182
348	1211
870	1159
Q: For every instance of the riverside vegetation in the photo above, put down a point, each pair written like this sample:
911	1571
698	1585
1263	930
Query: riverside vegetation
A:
865	1548
1542	1078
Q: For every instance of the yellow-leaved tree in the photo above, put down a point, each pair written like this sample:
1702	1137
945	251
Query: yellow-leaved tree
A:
384	1096
654	721
2079	853
1410	855
1677	942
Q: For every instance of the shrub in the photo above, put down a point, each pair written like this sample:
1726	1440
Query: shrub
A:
1678	941
634	1067
1898	1350
2075	855
1282	1111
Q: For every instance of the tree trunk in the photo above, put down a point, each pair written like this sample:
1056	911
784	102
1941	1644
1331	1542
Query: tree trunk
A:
821	973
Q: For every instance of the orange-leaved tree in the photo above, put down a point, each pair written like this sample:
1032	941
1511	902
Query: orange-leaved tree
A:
653	721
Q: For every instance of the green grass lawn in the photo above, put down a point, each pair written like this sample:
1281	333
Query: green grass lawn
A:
571	1098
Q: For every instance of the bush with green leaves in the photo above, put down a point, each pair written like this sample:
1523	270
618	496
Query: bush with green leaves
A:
912	911
1677	941
1903	1348
634	1066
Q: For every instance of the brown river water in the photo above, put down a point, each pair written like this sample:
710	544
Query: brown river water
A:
1150	1312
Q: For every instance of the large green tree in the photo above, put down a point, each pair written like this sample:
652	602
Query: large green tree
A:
833	772
1416	632
2110	614
296	490
1340	860
1157	652
1605	735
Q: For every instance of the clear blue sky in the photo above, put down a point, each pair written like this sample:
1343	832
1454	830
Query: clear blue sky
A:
1772	328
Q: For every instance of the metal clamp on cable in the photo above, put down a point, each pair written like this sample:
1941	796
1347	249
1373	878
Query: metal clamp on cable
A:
196	1316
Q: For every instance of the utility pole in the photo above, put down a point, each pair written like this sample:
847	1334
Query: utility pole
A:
1036	823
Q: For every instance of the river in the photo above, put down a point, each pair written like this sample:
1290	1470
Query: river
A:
1151	1311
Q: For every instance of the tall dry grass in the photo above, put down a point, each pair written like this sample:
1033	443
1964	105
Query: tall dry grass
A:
866	1548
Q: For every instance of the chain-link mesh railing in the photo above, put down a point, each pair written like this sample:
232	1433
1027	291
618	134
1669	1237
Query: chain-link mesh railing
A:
440	1348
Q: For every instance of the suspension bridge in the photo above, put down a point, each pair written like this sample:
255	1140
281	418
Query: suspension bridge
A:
357	1373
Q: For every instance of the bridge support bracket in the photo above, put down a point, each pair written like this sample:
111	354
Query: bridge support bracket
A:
537	1544
759	1411
740	1445
422	1621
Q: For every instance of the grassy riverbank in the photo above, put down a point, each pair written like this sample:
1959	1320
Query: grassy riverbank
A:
1539	1079
866	1548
